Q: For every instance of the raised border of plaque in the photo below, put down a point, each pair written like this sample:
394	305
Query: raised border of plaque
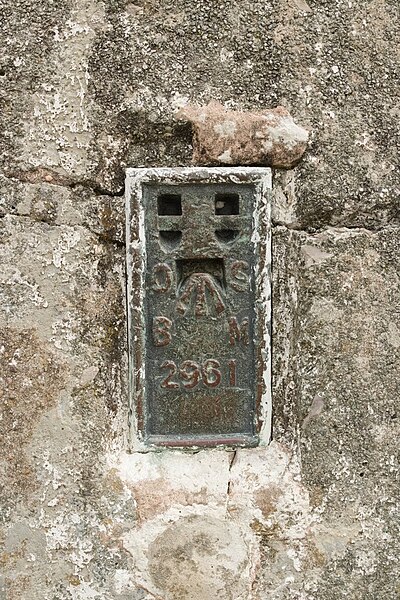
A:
140	241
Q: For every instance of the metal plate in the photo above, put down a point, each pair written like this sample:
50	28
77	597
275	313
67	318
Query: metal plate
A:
198	320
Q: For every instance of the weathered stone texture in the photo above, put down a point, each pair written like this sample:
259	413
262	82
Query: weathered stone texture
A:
346	327
87	88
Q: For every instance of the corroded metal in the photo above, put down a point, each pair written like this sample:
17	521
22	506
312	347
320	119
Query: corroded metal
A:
198	281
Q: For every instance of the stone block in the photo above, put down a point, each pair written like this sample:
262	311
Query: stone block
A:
226	137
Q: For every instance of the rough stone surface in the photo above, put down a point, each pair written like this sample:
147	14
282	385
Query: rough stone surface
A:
90	87
227	137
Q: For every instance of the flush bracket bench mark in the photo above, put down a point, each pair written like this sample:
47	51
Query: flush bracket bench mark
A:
199	307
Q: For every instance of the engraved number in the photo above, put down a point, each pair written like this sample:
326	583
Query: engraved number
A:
191	373
211	373
167	383
232	372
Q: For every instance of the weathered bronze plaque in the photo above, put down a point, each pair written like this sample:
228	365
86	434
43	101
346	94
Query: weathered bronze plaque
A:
199	294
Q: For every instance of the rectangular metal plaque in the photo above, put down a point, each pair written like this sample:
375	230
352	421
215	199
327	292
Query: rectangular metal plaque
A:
199	305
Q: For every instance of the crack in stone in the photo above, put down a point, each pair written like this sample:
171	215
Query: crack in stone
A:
155	596
231	463
309	231
50	176
233	459
318	230
102	238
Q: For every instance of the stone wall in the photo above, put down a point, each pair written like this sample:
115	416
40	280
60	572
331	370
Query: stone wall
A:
88	88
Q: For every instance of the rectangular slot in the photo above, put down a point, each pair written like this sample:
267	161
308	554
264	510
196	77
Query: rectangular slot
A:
211	266
169	205
226	204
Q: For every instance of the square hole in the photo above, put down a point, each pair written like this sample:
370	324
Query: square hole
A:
226	204
212	266
169	204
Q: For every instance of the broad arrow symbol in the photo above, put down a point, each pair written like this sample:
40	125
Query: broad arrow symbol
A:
203	288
